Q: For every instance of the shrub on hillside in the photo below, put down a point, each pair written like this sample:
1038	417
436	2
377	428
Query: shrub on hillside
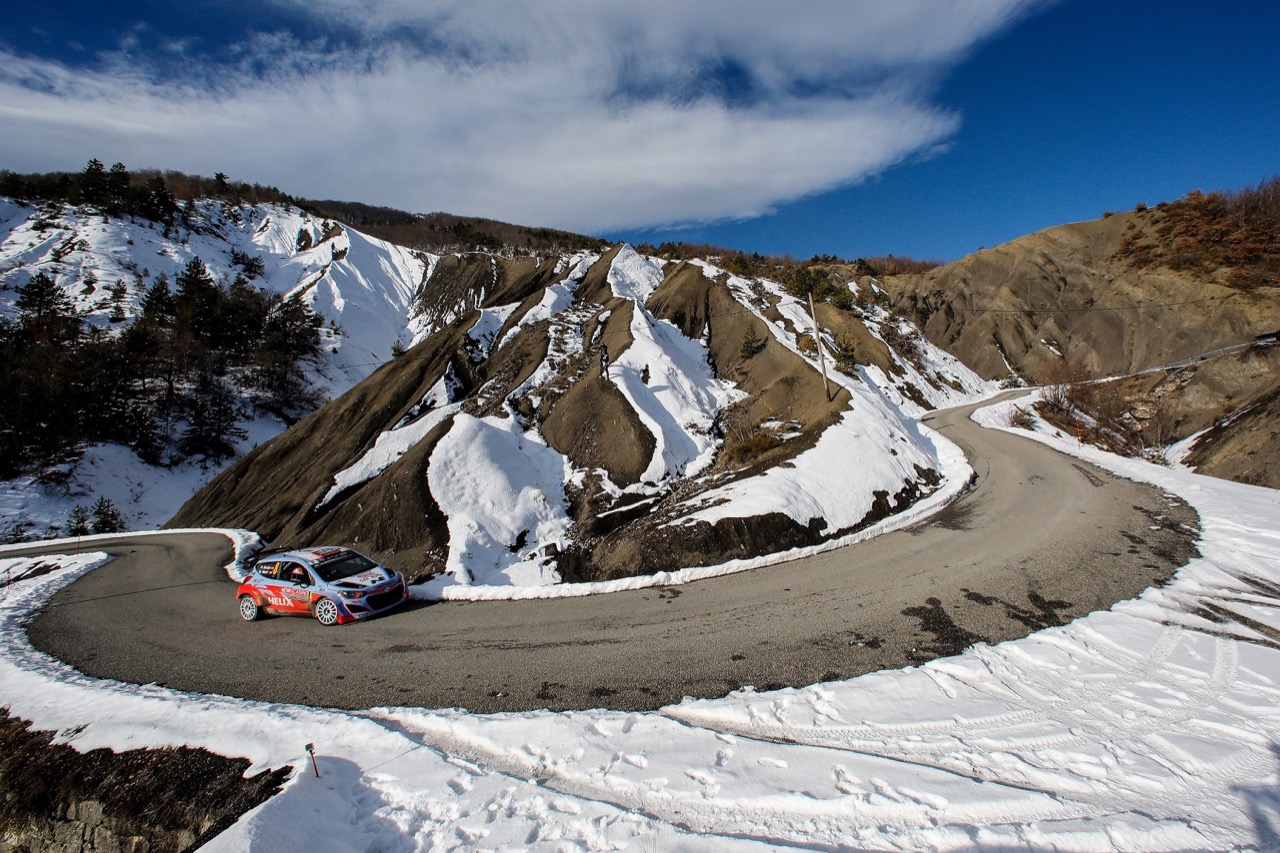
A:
1238	231
752	343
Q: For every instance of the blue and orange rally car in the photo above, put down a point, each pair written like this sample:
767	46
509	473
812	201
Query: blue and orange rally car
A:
335	585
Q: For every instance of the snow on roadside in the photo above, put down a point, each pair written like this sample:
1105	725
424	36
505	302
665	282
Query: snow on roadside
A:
1145	727
378	788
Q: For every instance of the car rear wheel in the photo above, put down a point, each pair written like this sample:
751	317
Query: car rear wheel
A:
249	609
326	612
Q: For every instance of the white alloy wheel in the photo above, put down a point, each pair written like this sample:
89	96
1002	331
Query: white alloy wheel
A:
326	612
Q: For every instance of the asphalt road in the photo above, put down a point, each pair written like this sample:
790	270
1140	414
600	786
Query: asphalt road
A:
1040	540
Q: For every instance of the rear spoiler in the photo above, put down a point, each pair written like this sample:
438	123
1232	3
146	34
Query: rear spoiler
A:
251	561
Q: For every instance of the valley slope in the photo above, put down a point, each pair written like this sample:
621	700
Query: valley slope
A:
1124	294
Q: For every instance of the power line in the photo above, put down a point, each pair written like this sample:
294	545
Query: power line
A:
1090	309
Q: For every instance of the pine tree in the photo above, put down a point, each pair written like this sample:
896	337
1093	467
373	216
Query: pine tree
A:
45	312
78	521
106	517
213	420
158	303
198	303
93	183
156	202
116	194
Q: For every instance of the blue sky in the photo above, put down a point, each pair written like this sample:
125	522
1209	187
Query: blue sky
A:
918	127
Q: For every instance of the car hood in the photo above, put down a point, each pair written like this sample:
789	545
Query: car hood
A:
366	579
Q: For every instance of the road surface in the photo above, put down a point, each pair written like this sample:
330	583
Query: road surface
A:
1040	540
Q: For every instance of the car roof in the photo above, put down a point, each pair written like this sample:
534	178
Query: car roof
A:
309	555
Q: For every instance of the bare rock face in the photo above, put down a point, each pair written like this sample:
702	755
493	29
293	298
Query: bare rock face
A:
1243	447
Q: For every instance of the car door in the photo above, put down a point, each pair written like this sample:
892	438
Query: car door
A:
269	582
293	587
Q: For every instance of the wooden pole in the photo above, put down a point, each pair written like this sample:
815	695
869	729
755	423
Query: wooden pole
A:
817	342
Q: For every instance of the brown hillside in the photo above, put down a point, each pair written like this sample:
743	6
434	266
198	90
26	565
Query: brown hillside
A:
1069	289
1123	294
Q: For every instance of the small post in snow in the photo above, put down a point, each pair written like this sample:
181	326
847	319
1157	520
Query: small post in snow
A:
311	750
817	342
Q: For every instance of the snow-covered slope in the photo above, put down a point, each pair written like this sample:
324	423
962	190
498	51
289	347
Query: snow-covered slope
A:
595	417
362	287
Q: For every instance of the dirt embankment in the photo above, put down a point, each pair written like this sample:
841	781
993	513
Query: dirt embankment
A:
142	801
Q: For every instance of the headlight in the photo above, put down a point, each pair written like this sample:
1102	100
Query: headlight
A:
354	594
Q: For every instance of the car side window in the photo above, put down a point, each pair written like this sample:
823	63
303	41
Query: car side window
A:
269	570
294	573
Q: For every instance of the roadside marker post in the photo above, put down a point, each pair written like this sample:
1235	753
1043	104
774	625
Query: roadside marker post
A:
311	750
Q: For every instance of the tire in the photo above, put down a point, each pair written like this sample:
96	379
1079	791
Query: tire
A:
249	609
326	612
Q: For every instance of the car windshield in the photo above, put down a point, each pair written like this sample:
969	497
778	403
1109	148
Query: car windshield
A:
344	565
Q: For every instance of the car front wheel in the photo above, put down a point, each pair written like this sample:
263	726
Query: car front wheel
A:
249	608
326	612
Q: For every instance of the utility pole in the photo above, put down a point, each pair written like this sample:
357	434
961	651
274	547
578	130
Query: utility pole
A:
817	341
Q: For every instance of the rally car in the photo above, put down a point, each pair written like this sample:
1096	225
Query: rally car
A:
335	585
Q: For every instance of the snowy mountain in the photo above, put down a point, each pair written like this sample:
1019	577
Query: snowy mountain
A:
360	285
571	417
362	289
597	416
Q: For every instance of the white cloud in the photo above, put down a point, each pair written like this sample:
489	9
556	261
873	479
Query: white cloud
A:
584	114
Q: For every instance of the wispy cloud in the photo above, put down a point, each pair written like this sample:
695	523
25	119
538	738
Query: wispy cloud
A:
585	114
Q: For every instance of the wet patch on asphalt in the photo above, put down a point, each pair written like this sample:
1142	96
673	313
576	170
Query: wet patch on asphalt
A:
1043	612
1094	479
948	637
